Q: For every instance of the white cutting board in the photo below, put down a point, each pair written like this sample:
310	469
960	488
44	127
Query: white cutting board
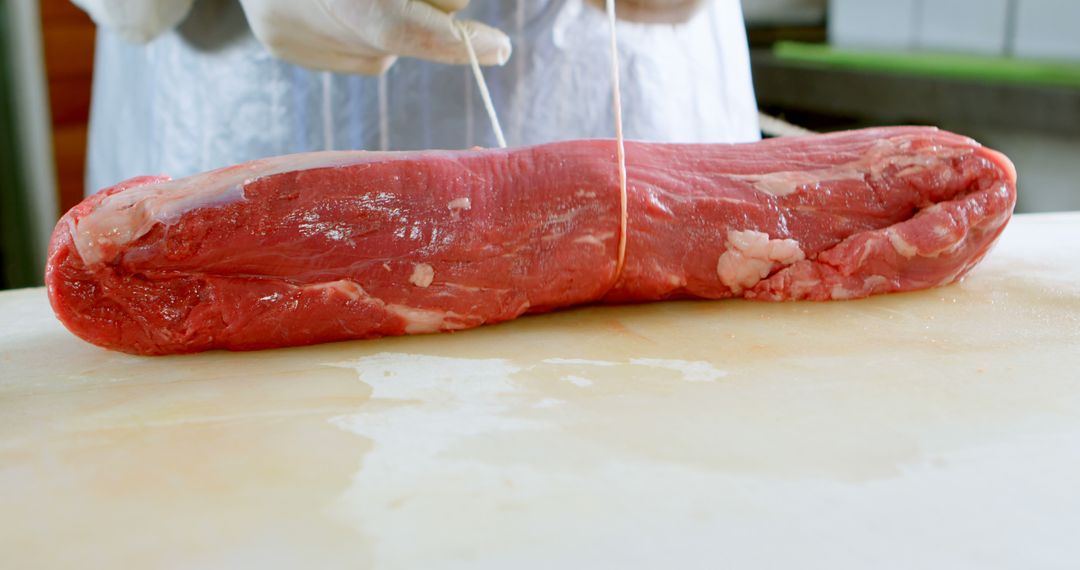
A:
930	430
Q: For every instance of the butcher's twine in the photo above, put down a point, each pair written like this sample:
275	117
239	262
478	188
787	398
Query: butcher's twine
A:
620	147
485	95
776	127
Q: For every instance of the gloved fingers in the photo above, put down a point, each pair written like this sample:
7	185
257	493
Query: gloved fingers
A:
449	6
327	59
653	11
137	21
356	36
491	45
351	64
431	34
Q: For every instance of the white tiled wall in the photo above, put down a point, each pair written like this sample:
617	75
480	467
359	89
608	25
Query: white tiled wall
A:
873	23
965	26
1042	29
1047	29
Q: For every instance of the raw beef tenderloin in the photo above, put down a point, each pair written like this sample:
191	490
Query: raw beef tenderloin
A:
346	245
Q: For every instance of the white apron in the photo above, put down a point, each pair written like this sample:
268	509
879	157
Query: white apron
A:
208	94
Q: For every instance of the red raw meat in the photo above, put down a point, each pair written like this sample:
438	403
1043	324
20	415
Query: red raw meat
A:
330	246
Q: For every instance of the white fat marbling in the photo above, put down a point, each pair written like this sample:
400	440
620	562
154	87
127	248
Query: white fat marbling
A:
423	321
346	287
460	204
901	245
422	275
417	320
589	239
870	285
885	155
128	215
751	256
787	182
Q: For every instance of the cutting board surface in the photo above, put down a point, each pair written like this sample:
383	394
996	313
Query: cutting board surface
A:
938	429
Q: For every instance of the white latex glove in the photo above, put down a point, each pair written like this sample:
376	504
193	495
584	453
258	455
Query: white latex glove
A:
136	20
366	36
653	11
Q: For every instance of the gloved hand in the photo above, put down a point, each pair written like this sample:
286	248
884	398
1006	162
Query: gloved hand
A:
366	36
653	11
136	20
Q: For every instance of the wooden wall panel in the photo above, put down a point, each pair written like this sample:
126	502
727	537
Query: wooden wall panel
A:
68	37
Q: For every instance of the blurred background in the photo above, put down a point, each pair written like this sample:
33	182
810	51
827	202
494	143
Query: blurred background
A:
1006	72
